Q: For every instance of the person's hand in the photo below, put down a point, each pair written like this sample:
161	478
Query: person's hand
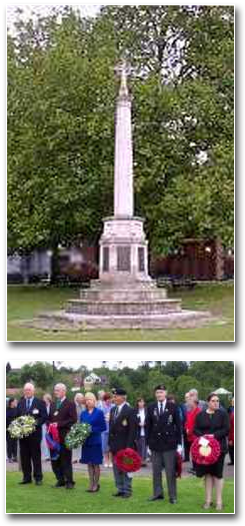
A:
179	449
230	443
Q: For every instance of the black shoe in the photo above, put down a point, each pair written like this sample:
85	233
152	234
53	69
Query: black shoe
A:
59	485
15	459
173	501
118	494
126	496
230	464
69	485
160	497
25	482
38	482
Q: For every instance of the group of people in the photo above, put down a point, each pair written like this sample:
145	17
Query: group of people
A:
161	428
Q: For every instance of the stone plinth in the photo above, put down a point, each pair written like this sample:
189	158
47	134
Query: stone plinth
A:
123	251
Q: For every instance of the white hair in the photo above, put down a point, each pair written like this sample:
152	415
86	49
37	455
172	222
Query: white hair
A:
77	396
194	391
61	386
29	385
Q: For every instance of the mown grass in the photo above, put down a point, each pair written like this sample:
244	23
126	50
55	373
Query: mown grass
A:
25	302
45	499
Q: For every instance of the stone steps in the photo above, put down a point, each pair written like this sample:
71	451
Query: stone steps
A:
132	294
91	307
62	320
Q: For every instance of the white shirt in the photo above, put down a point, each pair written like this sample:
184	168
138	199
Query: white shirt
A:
141	414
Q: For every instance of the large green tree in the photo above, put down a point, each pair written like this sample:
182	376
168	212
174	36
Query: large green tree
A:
61	100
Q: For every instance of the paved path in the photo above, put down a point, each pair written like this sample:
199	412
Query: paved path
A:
144	472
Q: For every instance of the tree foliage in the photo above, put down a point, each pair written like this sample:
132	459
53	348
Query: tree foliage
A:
61	101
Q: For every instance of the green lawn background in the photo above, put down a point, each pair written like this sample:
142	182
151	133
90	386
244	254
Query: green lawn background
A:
25	302
45	499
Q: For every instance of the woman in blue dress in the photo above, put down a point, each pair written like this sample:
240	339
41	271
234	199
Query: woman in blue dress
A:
92	448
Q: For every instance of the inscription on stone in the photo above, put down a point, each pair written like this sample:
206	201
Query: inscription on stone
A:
105	259
141	259
123	258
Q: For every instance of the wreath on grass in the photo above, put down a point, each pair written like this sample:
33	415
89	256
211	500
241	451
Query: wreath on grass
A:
128	460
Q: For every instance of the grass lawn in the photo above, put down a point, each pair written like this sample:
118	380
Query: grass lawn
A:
44	499
24	302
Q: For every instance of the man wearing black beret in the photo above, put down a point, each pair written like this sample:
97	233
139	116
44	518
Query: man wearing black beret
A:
122	434
163	435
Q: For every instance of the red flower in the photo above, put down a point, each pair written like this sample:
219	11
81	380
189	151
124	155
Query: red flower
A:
205	455
54	432
178	466
128	460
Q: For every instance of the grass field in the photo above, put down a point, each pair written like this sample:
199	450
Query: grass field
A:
24	302
44	499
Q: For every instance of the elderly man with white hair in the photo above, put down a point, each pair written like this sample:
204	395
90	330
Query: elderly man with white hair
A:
193	394
30	446
63	415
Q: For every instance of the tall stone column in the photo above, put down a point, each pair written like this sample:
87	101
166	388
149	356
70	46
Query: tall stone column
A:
123	167
123	245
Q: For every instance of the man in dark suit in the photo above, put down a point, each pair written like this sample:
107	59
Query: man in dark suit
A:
64	415
30	446
163	435
122	434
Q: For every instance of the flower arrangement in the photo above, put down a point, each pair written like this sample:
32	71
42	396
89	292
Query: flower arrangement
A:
128	460
178	465
22	427
77	435
205	450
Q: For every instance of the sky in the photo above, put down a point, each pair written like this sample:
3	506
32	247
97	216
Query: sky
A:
29	9
91	364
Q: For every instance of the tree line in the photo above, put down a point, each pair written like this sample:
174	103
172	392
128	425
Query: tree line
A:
178	377
61	102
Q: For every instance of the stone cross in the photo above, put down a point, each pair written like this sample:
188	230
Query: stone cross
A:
123	70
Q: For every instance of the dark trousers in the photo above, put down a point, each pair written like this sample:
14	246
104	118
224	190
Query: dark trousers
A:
141	447
187	446
62	467
231	454
167	460
123	481
11	447
30	456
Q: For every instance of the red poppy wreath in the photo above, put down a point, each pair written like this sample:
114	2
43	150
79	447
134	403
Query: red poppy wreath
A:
205	450
128	460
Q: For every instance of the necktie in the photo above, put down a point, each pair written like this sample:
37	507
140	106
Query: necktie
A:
58	404
161	408
116	413
28	404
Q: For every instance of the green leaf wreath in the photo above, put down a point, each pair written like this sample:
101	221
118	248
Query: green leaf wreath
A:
21	427
77	435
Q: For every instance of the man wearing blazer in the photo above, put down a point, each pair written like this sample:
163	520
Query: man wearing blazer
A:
30	446
63	413
122	434
163	435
